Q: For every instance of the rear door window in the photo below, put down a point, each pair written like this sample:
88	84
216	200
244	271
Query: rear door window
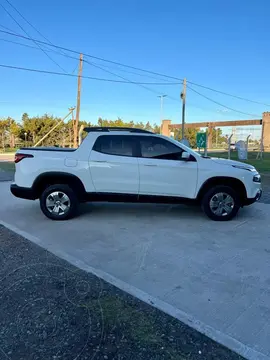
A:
117	145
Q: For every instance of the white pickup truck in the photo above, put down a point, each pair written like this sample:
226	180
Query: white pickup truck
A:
132	165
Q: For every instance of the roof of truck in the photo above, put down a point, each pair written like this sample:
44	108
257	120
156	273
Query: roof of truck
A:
116	129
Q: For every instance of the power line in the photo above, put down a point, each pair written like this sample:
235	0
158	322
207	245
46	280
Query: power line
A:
64	54
98	66
30	46
36	42
123	78
92	64
37	48
75	58
34	47
132	67
134	73
85	77
192	105
218	103
28	22
4	27
227	94
91	56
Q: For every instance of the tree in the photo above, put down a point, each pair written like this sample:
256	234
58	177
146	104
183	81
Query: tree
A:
14	132
4	126
25	117
37	127
189	134
120	123
156	129
217	137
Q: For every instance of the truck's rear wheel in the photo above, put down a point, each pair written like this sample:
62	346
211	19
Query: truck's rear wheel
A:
59	202
221	203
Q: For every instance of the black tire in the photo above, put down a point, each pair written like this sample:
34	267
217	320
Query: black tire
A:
217	190
71	204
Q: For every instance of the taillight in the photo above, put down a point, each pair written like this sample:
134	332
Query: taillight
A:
19	157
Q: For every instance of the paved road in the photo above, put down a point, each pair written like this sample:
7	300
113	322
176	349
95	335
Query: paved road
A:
6	175
214	276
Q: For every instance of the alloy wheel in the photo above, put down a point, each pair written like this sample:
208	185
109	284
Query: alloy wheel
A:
222	204
58	203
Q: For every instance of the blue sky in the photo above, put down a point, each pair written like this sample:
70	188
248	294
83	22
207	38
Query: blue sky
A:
220	44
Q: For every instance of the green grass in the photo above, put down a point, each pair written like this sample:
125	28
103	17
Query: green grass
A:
139	327
7	166
262	165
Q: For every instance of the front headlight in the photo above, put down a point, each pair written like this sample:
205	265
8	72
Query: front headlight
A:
243	167
257	178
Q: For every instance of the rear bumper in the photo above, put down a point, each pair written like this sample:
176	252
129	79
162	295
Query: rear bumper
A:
22	192
253	200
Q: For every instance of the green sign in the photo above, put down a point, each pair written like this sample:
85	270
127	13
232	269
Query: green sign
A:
201	140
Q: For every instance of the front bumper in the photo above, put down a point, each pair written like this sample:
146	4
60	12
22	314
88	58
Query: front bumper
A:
22	192
253	200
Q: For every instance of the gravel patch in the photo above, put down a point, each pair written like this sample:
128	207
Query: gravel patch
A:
50	309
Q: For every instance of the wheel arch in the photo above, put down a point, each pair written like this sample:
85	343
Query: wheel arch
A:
234	183
57	177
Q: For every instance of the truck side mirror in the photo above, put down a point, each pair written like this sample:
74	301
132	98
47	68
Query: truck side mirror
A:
185	156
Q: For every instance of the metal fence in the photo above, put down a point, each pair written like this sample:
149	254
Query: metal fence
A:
250	135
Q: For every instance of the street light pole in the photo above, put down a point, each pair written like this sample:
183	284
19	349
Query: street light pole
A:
25	135
161	109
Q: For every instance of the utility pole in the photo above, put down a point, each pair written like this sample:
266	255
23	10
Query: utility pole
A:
161	109
183	97
80	134
78	107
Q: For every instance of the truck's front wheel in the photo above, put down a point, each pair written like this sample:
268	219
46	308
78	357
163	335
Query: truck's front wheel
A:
59	202
221	203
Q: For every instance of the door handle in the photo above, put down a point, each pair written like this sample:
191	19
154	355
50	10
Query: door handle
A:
150	165
99	161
